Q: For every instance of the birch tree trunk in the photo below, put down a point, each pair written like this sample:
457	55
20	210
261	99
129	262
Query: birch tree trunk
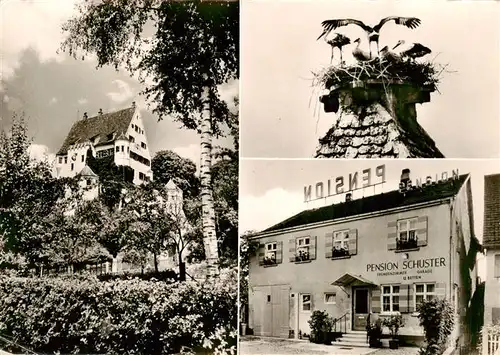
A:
207	202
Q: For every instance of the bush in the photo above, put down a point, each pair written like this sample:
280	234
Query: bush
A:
78	315
321	325
375	334
436	317
165	276
393	323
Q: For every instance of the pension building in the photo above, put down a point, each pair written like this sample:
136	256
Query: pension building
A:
381	254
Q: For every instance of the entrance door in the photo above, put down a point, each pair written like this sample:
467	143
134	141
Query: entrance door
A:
271	309
360	308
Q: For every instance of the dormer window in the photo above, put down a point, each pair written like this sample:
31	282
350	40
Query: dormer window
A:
143	145
110	136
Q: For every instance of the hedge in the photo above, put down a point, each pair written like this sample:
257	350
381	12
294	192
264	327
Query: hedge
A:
84	315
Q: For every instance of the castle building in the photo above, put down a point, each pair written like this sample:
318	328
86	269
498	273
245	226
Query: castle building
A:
491	243
374	257
118	134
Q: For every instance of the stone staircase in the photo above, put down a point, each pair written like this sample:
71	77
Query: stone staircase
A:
353	338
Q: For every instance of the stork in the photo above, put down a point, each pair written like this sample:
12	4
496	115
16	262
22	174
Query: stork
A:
338	41
373	33
388	55
360	54
413	50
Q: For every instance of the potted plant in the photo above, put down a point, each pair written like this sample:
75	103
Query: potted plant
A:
375	334
321	328
394	323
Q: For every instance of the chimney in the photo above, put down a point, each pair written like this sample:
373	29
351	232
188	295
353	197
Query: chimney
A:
85	116
100	111
348	197
405	181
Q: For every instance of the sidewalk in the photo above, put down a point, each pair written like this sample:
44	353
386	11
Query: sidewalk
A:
251	345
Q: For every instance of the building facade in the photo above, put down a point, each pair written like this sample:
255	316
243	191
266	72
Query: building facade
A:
379	256
491	243
118	134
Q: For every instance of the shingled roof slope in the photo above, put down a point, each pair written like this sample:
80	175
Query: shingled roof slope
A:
100	125
491	224
373	203
375	134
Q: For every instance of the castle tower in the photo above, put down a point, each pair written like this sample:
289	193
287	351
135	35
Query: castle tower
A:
89	183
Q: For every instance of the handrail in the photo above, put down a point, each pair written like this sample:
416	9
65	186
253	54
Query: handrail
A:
339	320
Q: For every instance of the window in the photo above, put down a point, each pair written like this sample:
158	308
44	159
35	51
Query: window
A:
117	149
83	158
123	148
424	292
330	298
60	160
141	176
110	136
65	160
128	149
72	166
390	298
302	245
143	145
407	234
270	256
268	298
496	272
132	139
89	182
305	301
340	244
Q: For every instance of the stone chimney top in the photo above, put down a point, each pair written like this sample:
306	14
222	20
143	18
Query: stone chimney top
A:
85	116
100	111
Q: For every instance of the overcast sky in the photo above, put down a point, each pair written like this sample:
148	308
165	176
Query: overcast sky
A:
55	90
281	115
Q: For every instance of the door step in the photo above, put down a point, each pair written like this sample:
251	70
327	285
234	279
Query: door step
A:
353	339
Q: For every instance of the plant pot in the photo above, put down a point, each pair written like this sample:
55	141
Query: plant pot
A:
394	344
243	329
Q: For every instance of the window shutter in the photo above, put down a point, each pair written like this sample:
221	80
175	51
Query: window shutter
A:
312	248
262	253
328	245
411	298
497	266
376	300
440	290
392	232
422	231
279	252
291	249
404	298
353	241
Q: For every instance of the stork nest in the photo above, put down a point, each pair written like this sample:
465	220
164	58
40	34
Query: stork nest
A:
424	74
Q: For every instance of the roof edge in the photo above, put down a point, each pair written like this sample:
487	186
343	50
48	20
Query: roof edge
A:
351	218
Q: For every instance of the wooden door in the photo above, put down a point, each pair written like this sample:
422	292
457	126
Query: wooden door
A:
361	308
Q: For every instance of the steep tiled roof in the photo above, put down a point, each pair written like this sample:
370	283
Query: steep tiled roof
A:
86	171
375	134
374	203
102	126
491	227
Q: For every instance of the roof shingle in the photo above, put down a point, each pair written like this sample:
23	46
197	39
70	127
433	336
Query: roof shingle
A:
102	126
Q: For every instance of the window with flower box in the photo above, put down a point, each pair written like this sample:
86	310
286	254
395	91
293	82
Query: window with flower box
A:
341	244
407	234
390	298
271	253
302	249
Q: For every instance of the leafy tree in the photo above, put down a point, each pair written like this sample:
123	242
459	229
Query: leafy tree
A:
193	50
437	319
28	195
248	248
168	165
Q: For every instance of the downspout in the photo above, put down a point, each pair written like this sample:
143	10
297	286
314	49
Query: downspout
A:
454	338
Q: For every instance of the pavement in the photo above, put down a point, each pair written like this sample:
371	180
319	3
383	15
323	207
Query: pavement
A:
252	345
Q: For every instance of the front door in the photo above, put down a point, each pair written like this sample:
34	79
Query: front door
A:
360	308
